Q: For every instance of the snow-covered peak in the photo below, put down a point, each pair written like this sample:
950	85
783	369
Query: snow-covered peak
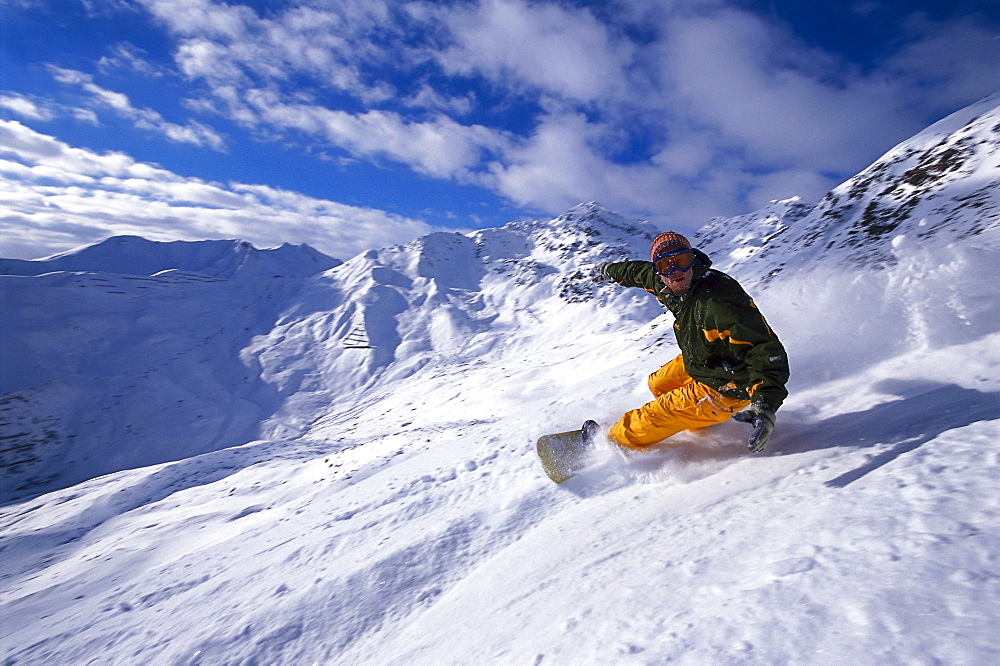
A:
446	295
736	240
223	259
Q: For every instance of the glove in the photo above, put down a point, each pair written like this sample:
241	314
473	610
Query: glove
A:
761	417
600	273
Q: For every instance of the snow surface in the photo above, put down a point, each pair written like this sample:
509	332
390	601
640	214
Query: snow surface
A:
198	470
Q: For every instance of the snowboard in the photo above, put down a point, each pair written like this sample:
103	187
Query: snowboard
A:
563	454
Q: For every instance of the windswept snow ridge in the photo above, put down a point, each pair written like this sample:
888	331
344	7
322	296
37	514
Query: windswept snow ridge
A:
219	477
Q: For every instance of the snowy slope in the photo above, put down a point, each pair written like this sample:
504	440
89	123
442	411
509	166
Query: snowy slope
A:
136	364
383	505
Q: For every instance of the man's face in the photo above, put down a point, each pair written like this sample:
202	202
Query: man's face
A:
675	270
678	283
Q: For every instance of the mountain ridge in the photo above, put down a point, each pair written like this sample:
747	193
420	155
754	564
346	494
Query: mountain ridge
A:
134	255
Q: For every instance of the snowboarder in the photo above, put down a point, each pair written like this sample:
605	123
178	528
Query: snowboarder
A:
731	363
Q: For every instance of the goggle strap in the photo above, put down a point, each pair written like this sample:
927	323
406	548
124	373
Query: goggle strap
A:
671	253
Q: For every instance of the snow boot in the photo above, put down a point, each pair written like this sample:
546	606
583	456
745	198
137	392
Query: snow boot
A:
591	430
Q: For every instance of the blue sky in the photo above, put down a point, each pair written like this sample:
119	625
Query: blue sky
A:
351	124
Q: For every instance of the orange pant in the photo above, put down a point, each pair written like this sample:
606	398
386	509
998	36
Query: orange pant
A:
679	403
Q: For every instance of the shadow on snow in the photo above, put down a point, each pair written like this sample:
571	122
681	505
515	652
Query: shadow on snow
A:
924	411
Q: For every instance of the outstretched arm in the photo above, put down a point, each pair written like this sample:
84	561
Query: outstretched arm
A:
629	274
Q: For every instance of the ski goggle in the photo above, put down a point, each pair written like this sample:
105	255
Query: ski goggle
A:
676	260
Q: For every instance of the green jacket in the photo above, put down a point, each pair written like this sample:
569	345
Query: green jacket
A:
725	341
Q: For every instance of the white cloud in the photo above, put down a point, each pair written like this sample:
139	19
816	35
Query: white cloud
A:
440	147
546	46
43	110
428	98
54	197
946	64
559	167
226	45
685	156
733	92
191	17
194	133
781	103
772	113
749	112
203	58
24	107
127	56
554	168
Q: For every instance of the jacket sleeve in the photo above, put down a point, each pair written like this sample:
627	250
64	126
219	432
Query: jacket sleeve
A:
742	331
633	274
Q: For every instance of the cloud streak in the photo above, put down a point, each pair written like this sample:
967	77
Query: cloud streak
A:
545	47
194	133
55	196
439	147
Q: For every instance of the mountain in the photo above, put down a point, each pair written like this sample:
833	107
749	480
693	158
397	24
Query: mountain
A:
127	353
337	466
131	255
443	296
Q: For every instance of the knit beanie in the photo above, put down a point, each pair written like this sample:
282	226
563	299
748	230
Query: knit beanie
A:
669	241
